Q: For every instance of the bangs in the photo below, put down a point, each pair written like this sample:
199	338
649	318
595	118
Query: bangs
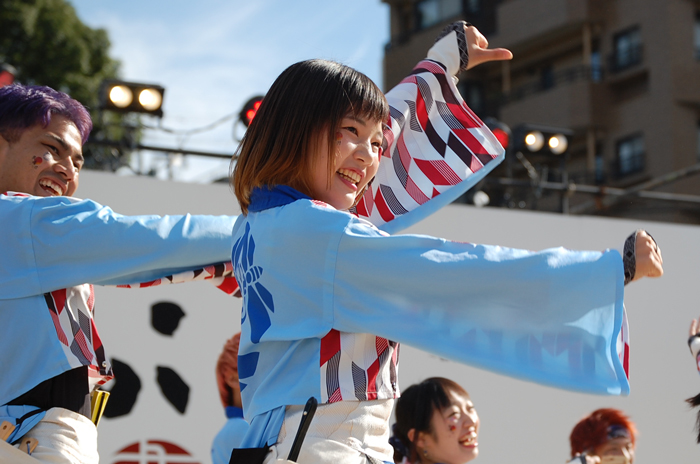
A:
365	99
442	388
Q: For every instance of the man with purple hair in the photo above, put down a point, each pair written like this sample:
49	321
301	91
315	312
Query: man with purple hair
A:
54	248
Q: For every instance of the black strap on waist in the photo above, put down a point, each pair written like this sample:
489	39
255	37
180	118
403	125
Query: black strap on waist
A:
69	390
249	455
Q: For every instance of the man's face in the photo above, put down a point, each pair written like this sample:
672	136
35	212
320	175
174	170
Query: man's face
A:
45	161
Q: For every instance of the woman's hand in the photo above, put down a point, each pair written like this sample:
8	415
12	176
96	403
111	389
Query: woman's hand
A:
479	51
694	328
649	262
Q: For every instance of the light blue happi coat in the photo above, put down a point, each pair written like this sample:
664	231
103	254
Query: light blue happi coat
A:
304	268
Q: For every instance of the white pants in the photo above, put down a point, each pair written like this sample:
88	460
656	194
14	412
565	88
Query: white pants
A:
63	436
347	432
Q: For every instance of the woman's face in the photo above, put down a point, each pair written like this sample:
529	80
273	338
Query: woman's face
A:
455	433
356	160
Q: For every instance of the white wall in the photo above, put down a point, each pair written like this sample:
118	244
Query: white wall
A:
521	422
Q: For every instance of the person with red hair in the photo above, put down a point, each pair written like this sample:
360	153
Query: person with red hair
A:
234	430
604	436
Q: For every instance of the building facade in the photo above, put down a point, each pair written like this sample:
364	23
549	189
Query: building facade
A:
622	75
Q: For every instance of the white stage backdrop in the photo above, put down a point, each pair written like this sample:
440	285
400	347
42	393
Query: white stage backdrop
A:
521	422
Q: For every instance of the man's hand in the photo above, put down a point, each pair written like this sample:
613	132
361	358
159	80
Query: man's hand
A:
479	51
649	262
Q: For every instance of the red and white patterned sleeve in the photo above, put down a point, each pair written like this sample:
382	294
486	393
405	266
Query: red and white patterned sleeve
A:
436	147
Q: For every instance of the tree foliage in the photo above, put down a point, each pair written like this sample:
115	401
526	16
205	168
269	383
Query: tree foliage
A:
48	45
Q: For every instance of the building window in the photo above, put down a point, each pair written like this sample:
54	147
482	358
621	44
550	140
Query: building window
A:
431	12
630	155
696	36
599	173
472	7
627	49
547	77
596	63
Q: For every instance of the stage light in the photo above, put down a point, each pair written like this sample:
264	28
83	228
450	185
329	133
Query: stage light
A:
150	99
132	97
540	139
121	96
250	109
558	144
500	130
7	74
534	141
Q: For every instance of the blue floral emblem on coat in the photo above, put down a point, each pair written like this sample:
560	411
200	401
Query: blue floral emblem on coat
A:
257	300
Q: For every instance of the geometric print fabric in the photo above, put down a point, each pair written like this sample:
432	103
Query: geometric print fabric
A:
434	142
71	311
358	367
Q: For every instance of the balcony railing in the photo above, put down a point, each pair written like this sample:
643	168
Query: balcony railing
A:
622	60
555	79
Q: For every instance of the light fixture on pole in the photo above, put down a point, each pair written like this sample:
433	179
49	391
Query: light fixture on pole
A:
250	109
547	140
132	97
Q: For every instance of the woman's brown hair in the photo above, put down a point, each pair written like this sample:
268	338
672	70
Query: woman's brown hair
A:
308	98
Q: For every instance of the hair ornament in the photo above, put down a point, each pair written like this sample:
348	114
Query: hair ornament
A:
396	443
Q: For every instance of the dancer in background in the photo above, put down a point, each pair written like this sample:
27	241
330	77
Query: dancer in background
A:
436	422
604	436
54	247
235	428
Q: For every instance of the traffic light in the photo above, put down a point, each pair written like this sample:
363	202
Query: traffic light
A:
249	110
132	97
7	74
533	138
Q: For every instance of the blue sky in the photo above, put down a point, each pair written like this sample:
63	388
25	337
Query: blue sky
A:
211	56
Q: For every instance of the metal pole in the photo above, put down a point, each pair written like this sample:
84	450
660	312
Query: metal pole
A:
110	143
635	190
610	191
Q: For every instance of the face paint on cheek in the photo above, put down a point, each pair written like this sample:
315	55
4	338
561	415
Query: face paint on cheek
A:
338	137
37	161
453	428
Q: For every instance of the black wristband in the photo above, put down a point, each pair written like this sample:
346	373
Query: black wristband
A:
629	261
458	27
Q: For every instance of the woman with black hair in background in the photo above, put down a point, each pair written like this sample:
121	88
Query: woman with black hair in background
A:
435	423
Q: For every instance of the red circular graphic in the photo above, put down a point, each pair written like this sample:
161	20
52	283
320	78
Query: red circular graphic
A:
153	452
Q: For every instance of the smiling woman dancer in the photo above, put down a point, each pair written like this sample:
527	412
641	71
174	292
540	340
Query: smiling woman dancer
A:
436	422
328	296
